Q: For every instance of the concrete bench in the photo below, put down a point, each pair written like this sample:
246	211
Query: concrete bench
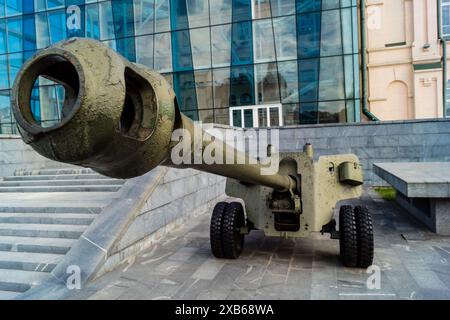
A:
423	189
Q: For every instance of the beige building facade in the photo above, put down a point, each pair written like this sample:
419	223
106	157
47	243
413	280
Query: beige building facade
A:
405	59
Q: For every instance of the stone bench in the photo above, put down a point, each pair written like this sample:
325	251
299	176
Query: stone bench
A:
423	189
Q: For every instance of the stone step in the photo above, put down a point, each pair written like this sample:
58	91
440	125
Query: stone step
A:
93	188
55	171
20	280
41	230
86	210
48	218
27	261
8	295
36	245
71	182
86	176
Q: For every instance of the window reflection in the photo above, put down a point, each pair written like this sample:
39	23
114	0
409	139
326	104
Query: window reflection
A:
220	11
201	49
221	46
264	47
267	86
198	13
144	12
144	50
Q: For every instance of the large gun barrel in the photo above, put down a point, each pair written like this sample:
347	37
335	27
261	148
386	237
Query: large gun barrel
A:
117	117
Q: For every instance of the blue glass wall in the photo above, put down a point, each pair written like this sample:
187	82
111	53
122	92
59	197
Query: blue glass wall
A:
215	53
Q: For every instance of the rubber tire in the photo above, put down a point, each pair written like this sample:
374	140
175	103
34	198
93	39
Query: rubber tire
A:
348	241
215	229
364	230
232	238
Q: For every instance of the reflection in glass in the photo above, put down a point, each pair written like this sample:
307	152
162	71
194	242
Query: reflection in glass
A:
203	85
221	116
285	38
13	7
282	7
332	112
242	10
262	118
198	13
241	45
331	43
144	12
106	21
221	46
5	113
92	22
4	83
242	86
163	53
308	79
144	50
331	79
308	35
291	114
237	118
15	35
267	87
274	117
264	47
42	31
221	87
248	118
162	16
3	36
201	49
220	11
288	78
57	23
181	46
261	9
15	62
308	113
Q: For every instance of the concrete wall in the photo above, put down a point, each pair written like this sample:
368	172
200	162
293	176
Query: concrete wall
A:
16	155
182	194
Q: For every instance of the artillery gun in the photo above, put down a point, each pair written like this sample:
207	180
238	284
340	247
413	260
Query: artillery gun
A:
118	118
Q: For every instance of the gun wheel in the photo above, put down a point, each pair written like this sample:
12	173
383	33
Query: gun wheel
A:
364	231
215	229
348	241
232	238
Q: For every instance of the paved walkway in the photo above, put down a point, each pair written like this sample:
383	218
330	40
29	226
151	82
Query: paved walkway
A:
414	264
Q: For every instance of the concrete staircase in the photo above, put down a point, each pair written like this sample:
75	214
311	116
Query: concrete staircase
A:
42	214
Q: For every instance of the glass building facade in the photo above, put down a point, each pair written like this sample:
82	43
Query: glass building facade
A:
299	55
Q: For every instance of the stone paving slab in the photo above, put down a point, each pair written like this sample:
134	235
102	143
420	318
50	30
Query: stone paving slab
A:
181	266
417	179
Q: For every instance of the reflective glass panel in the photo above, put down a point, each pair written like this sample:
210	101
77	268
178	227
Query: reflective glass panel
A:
264	47
221	45
201	48
198	13
163	52
203	84
144	50
285	38
144	14
267	86
220	11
